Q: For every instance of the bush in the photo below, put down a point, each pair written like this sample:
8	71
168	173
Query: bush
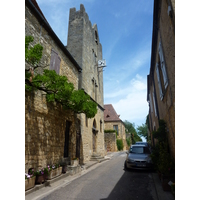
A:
120	145
128	140
109	131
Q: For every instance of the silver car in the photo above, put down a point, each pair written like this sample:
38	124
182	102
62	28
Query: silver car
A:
138	157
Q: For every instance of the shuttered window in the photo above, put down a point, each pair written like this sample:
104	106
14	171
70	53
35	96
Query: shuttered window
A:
159	81
154	103
55	61
115	127
162	63
151	106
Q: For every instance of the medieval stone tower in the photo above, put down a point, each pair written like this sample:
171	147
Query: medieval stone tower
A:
84	45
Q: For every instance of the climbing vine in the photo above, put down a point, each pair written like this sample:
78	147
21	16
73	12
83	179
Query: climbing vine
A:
56	87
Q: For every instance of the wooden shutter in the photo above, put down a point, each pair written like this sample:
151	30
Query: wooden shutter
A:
159	83
55	61
154	103
151	106
163	68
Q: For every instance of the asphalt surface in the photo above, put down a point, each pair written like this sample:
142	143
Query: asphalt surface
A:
106	181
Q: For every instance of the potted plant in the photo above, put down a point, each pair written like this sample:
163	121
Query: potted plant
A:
29	180
74	162
54	171
40	178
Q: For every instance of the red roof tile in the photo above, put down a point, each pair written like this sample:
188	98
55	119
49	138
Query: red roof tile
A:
110	113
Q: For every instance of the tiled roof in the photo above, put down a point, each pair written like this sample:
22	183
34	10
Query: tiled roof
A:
110	113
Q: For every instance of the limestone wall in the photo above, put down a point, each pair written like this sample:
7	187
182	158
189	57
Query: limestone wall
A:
165	34
110	142
45	123
87	51
121	131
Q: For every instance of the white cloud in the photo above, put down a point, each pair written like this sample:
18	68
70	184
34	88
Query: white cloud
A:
132	107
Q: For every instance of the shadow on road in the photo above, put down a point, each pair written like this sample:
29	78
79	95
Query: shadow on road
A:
133	185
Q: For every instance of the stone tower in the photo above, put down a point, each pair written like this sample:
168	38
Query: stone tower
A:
84	45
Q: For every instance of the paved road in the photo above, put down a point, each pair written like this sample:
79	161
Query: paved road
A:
108	181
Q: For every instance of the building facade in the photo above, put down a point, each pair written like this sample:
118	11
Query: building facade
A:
52	133
113	122
161	79
84	45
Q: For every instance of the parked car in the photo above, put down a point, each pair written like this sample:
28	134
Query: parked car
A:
138	157
143	143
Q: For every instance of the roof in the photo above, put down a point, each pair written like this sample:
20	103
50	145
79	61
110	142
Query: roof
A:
110	113
38	8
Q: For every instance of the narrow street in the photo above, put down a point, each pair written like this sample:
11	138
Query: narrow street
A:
108	180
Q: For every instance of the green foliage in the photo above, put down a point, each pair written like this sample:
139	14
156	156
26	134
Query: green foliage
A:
120	145
142	131
57	87
109	131
32	54
130	128
161	158
161	134
165	164
128	140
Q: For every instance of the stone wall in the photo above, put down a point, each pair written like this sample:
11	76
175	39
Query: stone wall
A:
121	131
45	123
166	105
40	34
87	51
110	142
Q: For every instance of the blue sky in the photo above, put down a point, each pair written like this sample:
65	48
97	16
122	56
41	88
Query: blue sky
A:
125	32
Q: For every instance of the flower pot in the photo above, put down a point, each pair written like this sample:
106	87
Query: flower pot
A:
74	163
54	173
39	179
29	183
64	169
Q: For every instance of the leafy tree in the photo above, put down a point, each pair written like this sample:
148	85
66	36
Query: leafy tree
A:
56	87
142	131
130	128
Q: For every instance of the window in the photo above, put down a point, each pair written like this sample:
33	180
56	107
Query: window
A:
115	127
55	61
140	150
100	126
151	106
162	65
96	90
154	104
159	81
96	37
94	86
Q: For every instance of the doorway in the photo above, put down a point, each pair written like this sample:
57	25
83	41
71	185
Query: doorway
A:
66	145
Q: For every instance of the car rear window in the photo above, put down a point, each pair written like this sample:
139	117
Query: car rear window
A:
139	150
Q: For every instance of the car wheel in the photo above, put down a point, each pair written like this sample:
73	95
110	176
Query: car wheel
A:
125	166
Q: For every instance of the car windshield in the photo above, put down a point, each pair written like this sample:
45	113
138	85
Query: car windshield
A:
140	150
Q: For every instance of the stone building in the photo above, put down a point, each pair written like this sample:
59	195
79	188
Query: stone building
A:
161	79
52	133
113	122
84	45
